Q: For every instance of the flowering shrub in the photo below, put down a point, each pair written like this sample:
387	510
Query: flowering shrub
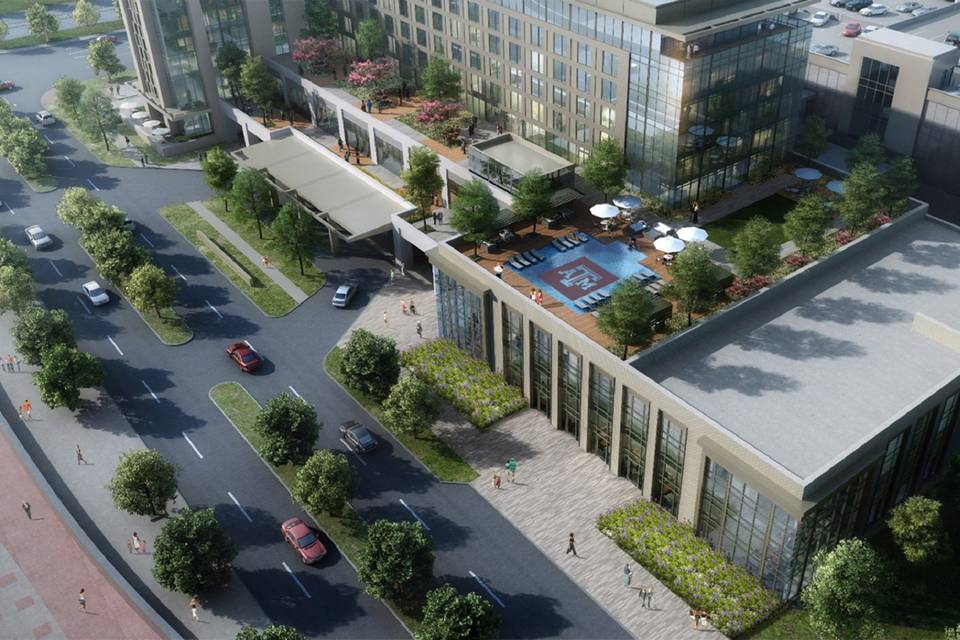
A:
468	384
437	111
734	599
881	220
743	288
797	260
844	237
316	54
441	121
373	78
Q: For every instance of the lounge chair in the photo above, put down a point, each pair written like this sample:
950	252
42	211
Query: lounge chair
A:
582	236
519	258
559	246
568	243
603	294
651	290
574	239
594	299
516	265
536	255
530	257
583	306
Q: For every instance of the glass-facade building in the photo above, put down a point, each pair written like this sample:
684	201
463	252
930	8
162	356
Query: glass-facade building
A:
459	314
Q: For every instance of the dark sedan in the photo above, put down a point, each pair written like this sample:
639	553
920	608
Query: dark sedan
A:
357	437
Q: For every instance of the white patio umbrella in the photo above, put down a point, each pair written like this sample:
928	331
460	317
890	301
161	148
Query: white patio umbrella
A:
604	211
151	124
692	234
130	104
139	115
808	173
728	141
627	202
836	186
669	244
161	131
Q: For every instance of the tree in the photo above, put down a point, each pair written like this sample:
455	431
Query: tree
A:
899	182
410	407
370	363
38	329
115	253
289	429
371	39
397	563
102	58
917	529
325	482
65	371
41	23
229	61
192	553
694	283
273	632
845	594
85	13
89	214
868	150
807	223
252	196
98	117
16	289
449	615
441	81
3	29
69	92
474	213
148	286
422	180
143	483
605	168
533	196
257	85
863	195
814	137
24	148
626	317
756	251
317	54
320	21
295	232
11	255
219	171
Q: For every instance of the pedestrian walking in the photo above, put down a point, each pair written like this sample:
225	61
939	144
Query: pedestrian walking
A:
194	603
19	362
693	618
440	217
20	411
496	480
346	156
511	468
136	542
27	407
419	329
357	158
340	143
499	129
369	105
9	363
83	600
393	274
80	459
385	318
265	261
126	140
403	270
413	308
627	575
27	510
129	545
572	546
540	297
403	307
649	597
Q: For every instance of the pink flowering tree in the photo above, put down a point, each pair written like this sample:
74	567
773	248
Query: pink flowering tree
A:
437	111
317	54
373	78
440	120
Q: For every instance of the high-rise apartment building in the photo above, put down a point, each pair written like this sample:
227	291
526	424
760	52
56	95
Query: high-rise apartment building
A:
699	93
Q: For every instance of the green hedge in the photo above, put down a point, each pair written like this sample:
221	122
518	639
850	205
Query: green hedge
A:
466	383
734	599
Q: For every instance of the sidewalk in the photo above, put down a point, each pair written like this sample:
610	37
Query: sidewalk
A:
103	433
252	254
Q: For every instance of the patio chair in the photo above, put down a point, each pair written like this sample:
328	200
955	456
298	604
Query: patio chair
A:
516	265
536	255
604	296
594	299
582	236
559	246
566	242
531	257
651	290
583	306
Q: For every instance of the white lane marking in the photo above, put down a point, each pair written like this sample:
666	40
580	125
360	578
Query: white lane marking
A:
10	209
193	446
117	348
240	506
294	391
151	392
179	275
93	185
414	514
214	309
350	449
147	240
49	141
54	265
72	164
297	580
487	589
84	305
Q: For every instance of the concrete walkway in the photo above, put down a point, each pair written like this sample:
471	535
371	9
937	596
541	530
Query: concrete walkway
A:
252	254
103	433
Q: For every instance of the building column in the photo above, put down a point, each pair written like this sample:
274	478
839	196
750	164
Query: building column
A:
334	241
584	403
653	428
615	428
554	381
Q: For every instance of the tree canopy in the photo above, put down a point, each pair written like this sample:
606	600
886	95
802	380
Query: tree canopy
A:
150	288
422	180
397	562
65	371
115	253
756	251
16	288
295	232
289	429
98	117
102	58
370	363
40	22
85	13
371	39
441	80
807	223
475	212
251	196
317	54
320	20
411	406
273	632
533	197
899	182
143	483
814	137
606	168
626	317
868	150
229	61
192	553
694	284
87	213
917	529
257	84
38	329
863	196
219	170
450	615
11	255
69	93
325	482
23	147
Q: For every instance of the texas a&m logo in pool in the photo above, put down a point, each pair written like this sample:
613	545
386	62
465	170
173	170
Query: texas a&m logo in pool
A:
579	277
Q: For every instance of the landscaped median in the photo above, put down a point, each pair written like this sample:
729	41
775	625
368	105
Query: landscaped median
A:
65	34
266	294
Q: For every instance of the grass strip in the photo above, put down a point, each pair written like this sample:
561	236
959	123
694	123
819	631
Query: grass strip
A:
313	278
264	293
348	532
60	36
433	452
11	6
170	327
42	184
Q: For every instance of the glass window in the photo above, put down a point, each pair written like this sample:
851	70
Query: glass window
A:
516	78
473	11
634	416
609	63
541	369
421	37
453	6
459	314
570	374
885	476
437	21
946	419
536	35
536	87
561	45
607	117
582	132
493	20
281	44
473	36
438	45
584	81
404	8
668	464
513	27
456	28
560	96
516	101
600	414
405	30
559	71
493	44
420	14
536	111
475	61
456	52
437	3
512	346
584	54
608	91
515	52
583	107
537	61
493	69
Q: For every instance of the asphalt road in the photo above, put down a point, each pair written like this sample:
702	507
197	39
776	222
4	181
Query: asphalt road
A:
163	393
17	22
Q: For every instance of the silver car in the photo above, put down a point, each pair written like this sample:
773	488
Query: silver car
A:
95	293
908	7
344	295
825	49
874	10
37	237
820	18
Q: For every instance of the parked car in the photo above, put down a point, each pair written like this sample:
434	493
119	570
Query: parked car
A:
874	10
244	355
838	3
851	30
357	437
344	294
870	28
95	293
953	38
922	11
907	7
129	224
820	18
6	85
856	5
109	37
825	49
38	237
304	540
45	118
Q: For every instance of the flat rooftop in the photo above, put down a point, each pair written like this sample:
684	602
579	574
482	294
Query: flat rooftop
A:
521	155
909	42
817	369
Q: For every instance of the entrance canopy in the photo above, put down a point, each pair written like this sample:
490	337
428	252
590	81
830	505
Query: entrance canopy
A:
338	195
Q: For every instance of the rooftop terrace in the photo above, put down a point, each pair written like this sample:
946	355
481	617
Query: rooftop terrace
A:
822	366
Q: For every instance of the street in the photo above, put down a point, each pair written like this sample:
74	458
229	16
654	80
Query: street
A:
163	391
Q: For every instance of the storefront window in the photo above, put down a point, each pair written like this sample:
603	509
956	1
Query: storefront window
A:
570	373
668	465
600	414
541	369
512	346
634	418
459	315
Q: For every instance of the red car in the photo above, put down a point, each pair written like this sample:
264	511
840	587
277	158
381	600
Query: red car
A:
304	540
852	29
244	355
6	85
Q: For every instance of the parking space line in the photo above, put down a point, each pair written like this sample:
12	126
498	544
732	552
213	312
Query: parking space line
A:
90	182
487	589
192	446
147	240
144	382
240	506
179	275
54	265
115	346
414	514
350	449
214	309
71	163
10	209
294	391
297	580
84	305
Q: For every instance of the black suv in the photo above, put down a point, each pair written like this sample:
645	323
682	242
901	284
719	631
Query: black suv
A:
856	5
953	38
357	437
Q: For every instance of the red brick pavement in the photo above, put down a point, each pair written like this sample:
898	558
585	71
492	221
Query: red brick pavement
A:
57	565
